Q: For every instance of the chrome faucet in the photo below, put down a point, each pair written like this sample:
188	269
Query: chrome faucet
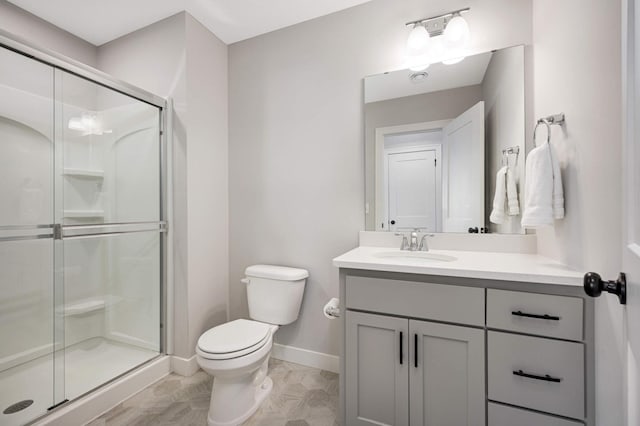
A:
423	242
411	243
404	245
414	240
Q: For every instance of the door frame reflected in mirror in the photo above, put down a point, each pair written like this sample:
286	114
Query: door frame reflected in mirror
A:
382	219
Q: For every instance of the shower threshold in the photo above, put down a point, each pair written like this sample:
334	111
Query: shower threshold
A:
87	365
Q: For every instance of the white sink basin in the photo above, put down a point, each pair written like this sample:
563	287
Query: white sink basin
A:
414	255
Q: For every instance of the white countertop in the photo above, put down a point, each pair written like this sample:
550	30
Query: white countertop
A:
468	264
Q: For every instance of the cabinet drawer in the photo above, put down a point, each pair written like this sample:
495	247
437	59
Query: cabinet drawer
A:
450	303
517	366
502	415
522	312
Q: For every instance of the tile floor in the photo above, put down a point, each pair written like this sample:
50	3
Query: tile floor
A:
301	396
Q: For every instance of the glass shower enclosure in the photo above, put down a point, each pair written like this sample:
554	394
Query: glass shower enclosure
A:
82	240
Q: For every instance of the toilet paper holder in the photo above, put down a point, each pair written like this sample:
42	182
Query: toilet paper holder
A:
332	309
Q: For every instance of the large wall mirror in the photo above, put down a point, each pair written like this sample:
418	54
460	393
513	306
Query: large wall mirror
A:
435	140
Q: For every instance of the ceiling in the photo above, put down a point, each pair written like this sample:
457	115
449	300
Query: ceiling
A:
99	21
397	84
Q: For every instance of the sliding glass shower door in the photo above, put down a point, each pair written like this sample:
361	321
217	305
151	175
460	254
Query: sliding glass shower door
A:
81	235
27	291
108	216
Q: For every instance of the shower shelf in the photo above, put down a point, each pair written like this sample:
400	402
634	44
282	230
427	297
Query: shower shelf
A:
71	214
83	307
84	173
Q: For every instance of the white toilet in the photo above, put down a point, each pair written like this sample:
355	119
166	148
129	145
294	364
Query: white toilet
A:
236	353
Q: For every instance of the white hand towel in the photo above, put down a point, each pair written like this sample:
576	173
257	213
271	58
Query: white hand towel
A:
543	197
497	214
558	191
512	194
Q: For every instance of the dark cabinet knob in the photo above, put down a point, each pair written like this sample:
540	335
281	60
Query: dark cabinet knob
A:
393	222
594	285
473	230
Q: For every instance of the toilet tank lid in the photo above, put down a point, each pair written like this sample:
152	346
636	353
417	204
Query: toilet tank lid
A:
273	272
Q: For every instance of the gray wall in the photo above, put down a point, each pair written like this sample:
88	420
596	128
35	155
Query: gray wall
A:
178	57
207	177
297	141
503	94
41	33
434	106
578	72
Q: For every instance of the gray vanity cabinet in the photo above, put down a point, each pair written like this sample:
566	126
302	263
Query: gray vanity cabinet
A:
447	383
409	372
377	378
441	351
401	371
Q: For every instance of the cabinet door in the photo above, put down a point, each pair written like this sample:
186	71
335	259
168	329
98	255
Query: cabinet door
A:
376	370
446	378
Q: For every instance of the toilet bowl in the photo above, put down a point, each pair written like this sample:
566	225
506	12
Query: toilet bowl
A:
237	353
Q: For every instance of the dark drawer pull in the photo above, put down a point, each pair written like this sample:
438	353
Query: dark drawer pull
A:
545	316
401	354
546	377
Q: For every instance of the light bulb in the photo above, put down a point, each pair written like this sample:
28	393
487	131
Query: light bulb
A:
436	49
418	40
457	33
417	48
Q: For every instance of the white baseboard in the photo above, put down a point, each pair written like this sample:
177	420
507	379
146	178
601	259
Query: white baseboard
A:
184	366
306	357
102	400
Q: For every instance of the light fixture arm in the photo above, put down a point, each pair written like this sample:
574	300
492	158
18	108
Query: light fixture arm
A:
433	18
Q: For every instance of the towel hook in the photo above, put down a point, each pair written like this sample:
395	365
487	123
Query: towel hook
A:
535	130
548	121
507	152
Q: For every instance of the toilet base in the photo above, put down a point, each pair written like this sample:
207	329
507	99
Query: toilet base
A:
261	393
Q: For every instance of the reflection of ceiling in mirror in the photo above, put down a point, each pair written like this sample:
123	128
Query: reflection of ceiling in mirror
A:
397	84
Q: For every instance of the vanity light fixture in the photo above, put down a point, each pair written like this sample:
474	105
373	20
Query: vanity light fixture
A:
443	38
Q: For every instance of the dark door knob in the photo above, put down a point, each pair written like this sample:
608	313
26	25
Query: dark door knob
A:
594	285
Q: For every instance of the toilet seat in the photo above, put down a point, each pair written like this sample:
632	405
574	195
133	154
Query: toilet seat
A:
233	339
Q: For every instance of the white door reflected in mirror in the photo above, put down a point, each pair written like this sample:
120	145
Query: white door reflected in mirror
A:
463	192
412	177
429	172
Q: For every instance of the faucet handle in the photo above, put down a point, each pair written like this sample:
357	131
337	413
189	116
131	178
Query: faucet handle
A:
405	243
423	242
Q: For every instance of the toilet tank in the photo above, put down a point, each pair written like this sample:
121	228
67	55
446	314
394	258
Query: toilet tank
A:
274	293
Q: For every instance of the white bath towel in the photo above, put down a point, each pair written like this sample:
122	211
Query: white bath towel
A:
543	194
499	198
512	194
